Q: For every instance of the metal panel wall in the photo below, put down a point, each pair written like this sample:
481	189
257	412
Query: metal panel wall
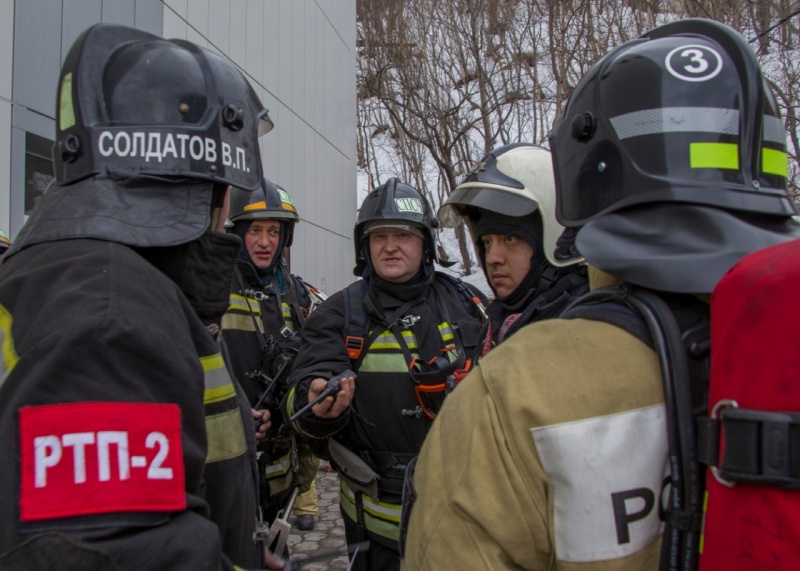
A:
6	67
36	35
300	58
37	54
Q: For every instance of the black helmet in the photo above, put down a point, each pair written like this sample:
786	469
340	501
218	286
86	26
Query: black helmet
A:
271	202
682	114
671	158
398	202
149	134
132	103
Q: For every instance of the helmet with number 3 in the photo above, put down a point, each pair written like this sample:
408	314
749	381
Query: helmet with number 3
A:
701	128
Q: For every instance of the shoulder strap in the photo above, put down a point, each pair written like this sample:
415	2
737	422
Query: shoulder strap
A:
357	324
474	301
610	311
356	320
683	517
302	303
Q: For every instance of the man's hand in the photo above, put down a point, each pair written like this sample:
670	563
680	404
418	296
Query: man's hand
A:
272	562
264	424
332	406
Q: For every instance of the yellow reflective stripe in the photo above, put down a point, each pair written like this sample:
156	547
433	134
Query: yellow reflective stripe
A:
10	357
384	363
714	156
775	162
255	206
290	409
384	355
225	435
278	468
383	510
446	331
387	340
242	303
217	381
287	316
379	517
240	322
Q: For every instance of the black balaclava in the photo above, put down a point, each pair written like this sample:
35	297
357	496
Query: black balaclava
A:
530	229
202	268
240	228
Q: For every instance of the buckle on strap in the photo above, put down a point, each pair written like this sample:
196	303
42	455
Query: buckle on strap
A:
761	447
354	345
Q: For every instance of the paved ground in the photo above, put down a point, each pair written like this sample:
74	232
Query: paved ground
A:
327	538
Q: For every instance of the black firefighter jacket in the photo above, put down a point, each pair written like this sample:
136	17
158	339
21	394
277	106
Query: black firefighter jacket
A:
384	424
122	443
254	305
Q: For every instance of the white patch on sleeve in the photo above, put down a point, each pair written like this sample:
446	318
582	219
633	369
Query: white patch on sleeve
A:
606	474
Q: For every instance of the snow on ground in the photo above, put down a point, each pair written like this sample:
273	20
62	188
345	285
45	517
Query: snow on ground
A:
476	278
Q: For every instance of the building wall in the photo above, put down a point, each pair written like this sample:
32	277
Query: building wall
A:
6	67
299	56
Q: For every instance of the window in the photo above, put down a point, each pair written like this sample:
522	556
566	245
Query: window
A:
38	168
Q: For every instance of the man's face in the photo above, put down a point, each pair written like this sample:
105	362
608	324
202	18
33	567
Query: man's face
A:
261	241
396	254
508	261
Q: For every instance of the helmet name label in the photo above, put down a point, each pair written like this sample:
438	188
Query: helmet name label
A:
167	146
693	62
409	205
100	457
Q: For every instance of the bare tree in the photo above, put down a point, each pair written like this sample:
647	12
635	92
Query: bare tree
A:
443	82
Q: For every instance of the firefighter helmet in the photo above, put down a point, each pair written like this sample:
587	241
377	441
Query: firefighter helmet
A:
702	127
131	103
271	202
672	184
149	135
394	204
512	181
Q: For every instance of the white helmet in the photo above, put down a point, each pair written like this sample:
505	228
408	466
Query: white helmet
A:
515	181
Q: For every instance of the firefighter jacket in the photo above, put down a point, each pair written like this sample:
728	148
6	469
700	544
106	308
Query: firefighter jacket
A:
550	455
259	323
384	425
123	440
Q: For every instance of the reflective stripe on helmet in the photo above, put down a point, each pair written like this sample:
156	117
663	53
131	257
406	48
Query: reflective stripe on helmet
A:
691	119
775	162
714	155
676	119
726	156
